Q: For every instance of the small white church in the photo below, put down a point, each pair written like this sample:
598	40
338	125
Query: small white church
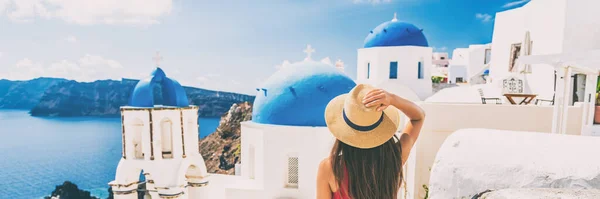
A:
160	142
396	56
287	138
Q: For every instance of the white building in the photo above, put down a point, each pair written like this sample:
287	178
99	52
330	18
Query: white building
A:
555	26
440	59
160	142
468	64
396	53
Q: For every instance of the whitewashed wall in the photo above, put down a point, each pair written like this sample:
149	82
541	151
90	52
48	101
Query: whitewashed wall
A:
546	22
407	57
582	29
476	59
309	144
443	119
474	160
457	71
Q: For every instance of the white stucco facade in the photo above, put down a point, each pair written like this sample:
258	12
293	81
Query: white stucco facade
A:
374	64
555	26
457	74
469	62
475	160
440	59
276	162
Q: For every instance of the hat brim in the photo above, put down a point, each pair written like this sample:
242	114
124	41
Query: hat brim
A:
360	139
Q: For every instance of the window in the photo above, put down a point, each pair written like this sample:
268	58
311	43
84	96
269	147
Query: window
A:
515	51
442	58
166	131
420	70
368	70
393	70
488	56
292	172
138	127
459	80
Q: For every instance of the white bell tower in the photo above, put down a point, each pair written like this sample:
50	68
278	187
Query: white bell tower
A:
160	142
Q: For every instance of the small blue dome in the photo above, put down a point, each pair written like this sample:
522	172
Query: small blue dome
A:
486	72
298	94
396	33
173	93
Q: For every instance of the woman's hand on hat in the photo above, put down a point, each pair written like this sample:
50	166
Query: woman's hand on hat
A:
377	97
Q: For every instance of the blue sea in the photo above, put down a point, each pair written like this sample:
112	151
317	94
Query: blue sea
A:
38	153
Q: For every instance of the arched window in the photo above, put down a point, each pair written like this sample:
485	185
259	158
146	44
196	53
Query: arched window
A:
420	70
166	132
137	127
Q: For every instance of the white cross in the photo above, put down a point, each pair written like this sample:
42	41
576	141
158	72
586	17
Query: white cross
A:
395	19
309	50
157	58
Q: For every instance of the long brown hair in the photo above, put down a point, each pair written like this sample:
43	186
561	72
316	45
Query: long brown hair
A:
374	173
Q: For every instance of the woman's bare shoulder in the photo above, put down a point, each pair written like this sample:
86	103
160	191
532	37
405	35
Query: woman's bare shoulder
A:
326	173
325	166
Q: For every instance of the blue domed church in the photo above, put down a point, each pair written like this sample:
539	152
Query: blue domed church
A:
396	53
287	137
160	142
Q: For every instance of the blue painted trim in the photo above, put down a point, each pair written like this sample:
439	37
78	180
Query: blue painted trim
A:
394	70
368	70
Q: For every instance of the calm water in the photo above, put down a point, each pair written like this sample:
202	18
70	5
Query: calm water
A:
36	154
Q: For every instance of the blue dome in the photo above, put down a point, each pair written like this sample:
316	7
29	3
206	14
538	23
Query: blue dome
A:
486	72
172	92
298	94
396	33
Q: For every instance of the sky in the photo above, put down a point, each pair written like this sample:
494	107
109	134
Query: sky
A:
220	45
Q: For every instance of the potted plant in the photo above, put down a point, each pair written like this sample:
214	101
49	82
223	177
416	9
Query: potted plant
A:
597	111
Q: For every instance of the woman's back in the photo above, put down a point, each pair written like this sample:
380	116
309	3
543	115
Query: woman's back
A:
342	192
366	159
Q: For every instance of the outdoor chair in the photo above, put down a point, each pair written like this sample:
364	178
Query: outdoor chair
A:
484	99
537	101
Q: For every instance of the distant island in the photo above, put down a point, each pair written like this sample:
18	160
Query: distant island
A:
67	98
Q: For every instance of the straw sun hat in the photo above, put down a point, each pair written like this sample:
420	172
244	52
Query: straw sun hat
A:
351	122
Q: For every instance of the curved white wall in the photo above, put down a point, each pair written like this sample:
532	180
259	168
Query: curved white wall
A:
474	160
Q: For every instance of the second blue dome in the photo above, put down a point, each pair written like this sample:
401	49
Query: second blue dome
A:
298	94
396	33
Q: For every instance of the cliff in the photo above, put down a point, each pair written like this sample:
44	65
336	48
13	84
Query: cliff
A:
221	149
24	94
105	97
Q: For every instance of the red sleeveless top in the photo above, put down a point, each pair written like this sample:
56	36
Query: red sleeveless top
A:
342	191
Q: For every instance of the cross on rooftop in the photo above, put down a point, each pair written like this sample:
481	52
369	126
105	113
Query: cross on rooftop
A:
309	50
395	17
157	58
